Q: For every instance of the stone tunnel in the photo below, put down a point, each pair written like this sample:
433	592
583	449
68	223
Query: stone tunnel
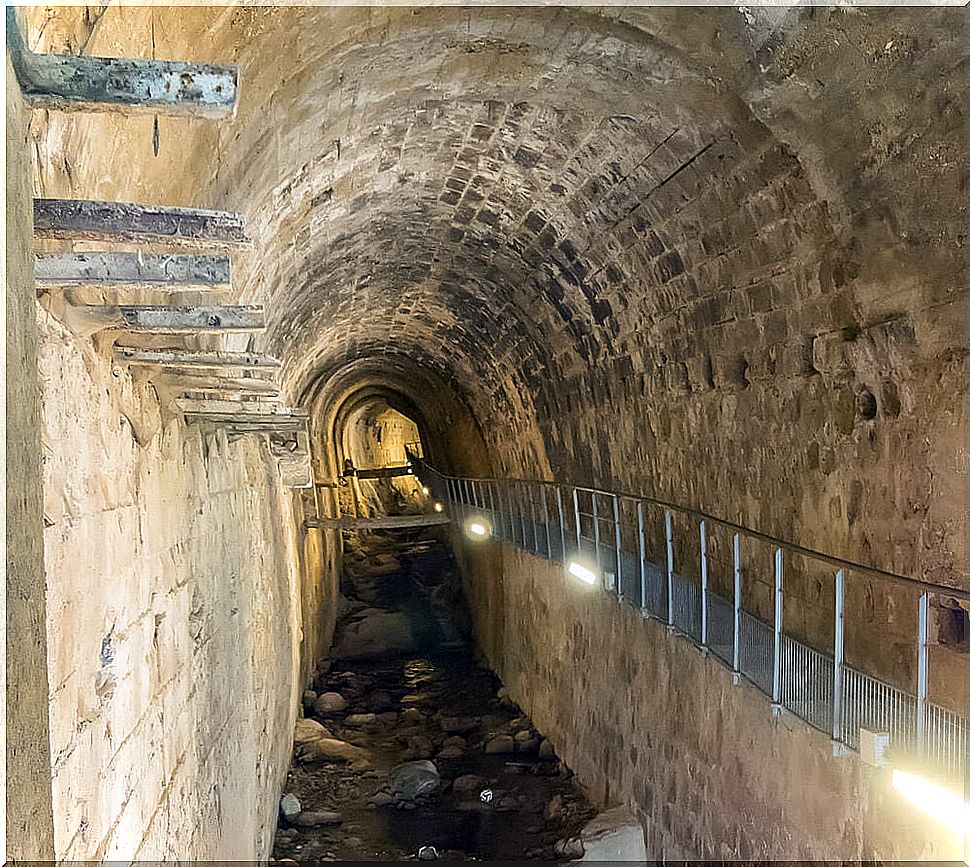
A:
669	302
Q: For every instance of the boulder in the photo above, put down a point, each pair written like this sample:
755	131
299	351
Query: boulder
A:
290	806
525	742
411	780
412	715
328	703
500	744
419	747
377	635
451	753
361	720
546	749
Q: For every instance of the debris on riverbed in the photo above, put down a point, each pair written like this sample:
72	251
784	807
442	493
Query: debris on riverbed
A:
422	755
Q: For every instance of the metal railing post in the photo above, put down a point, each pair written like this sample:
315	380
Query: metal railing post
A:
642	551
545	519
838	656
562	521
532	511
521	499
922	669
619	547
596	529
669	532
491	504
736	654
579	526
779	617
704	583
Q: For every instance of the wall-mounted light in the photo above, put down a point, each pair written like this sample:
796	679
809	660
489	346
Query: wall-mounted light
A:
425	490
438	507
942	804
583	573
478	529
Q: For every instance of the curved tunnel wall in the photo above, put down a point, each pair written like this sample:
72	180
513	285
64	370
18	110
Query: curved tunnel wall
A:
710	255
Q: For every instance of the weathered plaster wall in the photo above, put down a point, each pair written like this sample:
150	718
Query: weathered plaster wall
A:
27	796
646	718
173	621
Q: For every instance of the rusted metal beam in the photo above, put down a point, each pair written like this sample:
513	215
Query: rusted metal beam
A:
130	270
391	522
219	405
196	360
124	222
383	472
170	320
242	423
220	384
70	82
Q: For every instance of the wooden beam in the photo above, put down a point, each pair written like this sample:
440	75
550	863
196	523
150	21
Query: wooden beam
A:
129	270
123	222
391	522
195	360
77	83
170	320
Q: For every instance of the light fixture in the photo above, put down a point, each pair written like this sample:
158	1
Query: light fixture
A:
425	490
582	573
438	507
478	528
942	804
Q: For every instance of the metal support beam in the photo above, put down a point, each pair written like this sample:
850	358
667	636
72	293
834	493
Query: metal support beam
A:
129	270
642	551
704	578
77	83
669	533
123	222
390	522
190	359
171	320
736	650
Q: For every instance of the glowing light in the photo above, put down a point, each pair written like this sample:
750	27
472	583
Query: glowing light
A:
425	490
943	804
582	573
478	528
438	507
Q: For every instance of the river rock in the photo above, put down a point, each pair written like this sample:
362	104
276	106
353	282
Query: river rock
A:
459	724
419	747
329	750
313	818
360	720
467	783
328	703
411	780
500	744
546	749
308	730
290	806
525	742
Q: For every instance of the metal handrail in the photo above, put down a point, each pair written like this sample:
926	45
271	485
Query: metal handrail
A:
818	686
793	547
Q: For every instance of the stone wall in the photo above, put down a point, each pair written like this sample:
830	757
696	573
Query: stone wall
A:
173	593
27	834
645	718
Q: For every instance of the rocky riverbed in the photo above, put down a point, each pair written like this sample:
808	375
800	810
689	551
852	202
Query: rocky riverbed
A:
409	749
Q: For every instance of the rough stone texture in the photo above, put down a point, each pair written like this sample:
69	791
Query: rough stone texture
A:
28	829
708	254
173	625
645	718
